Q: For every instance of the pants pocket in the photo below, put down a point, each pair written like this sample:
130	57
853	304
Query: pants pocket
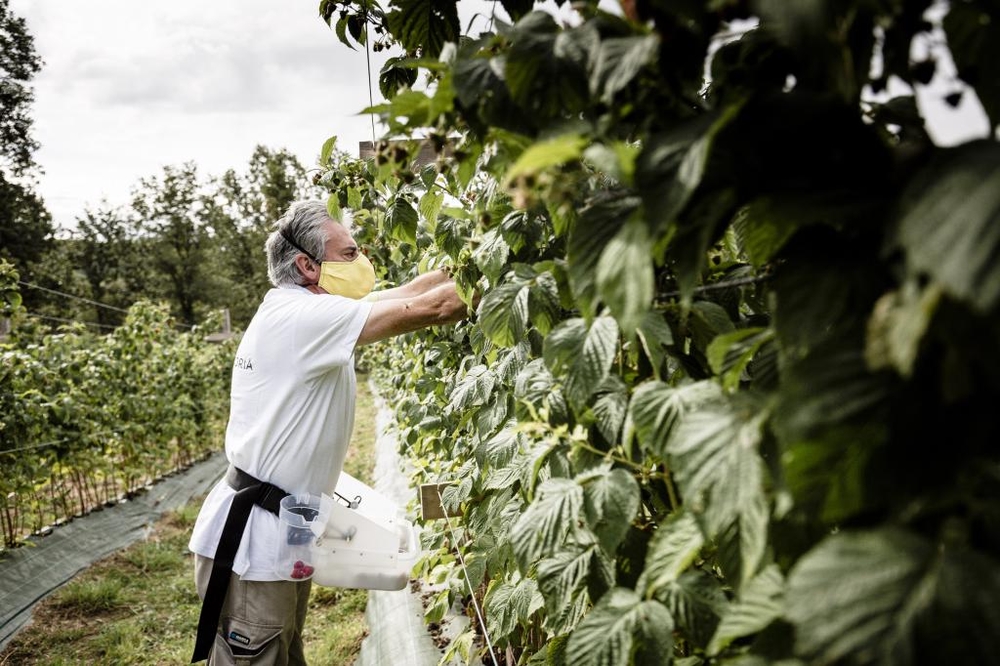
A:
241	642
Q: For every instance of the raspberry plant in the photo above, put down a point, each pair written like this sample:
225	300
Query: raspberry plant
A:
728	396
87	418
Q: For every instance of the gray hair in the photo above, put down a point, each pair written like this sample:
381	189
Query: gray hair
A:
303	222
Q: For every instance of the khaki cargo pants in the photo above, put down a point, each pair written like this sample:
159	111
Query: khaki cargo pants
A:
261	621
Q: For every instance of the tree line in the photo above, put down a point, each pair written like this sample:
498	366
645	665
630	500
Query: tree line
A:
192	240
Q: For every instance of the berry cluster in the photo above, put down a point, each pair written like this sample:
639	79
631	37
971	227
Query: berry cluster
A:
301	570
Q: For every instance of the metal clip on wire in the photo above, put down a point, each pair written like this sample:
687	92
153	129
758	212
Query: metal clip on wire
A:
350	504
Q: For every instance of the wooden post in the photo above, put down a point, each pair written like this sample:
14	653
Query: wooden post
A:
430	502
226	332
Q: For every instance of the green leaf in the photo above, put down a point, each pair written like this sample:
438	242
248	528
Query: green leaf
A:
543	302
675	545
544	525
510	362
611	499
491	415
622	626
353	198
581	355
765	225
598	223
697	603
760	234
397	74
817	293
562	580
451	233
703	223
401	220
758	605
430	206
491	254
499	450
671	165
522	229
619	61
546	154
625	275
341	29
890	596
616	160
535	386
503	314
424	25
656	409
479	88
949	223
610	408
333	207
510	603
729	354
721	475
830	478
545	68
708	320
655	336
473	389
326	151
407	109
437	609
897	326
829	389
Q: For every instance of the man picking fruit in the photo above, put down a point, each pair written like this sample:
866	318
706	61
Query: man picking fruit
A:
291	417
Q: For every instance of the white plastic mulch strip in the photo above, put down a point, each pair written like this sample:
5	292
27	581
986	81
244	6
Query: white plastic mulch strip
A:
396	630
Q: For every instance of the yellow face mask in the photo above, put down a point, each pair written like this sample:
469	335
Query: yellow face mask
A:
353	279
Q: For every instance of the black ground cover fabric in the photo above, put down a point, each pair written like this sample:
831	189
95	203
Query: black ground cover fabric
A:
30	573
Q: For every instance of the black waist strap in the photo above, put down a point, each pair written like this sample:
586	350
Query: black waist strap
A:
249	491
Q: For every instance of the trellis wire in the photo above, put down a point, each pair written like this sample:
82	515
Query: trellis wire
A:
468	582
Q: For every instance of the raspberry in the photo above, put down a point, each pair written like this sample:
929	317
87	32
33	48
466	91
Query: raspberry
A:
297	574
299	564
307	571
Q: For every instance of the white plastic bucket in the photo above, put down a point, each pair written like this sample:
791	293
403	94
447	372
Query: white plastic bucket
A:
366	543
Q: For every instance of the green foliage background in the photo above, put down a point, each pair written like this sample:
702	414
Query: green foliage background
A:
88	418
729	393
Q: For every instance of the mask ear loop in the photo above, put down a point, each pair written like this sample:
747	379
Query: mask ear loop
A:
291	241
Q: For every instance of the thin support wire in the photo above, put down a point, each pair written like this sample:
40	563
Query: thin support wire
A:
69	321
58	441
738	282
184	325
78	298
368	60
468	583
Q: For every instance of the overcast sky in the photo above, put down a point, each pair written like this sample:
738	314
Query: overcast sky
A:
130	86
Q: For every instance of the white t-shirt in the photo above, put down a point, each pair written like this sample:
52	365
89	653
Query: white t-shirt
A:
291	413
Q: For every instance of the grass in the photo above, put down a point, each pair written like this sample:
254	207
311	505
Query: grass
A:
140	607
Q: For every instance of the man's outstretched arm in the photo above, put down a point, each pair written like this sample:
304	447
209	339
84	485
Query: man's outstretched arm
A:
418	285
436	306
